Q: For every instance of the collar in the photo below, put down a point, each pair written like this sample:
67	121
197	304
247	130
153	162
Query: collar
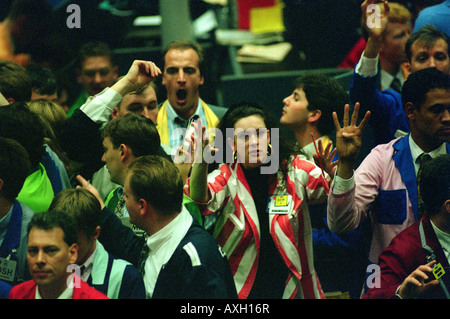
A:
171	235
310	149
416	151
386	78
443	237
174	118
66	294
88	264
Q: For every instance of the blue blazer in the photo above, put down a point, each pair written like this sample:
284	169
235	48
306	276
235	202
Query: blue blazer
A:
402	158
387	113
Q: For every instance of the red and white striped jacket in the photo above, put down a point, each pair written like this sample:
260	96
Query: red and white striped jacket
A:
237	227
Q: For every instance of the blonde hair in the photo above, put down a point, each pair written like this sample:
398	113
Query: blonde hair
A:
52	116
50	112
398	12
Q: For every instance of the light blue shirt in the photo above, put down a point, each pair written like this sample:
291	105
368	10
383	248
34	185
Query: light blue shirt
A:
175	122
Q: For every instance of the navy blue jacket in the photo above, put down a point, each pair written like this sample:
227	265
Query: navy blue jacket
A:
206	275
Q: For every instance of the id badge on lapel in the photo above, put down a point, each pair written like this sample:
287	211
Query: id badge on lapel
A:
280	202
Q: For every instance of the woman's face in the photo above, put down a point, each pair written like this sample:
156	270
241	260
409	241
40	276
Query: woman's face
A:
251	140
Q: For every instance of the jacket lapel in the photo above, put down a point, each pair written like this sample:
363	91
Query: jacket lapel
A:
403	160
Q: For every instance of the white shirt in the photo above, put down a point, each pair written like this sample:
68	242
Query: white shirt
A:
444	240
368	67
88	264
387	78
66	294
99	107
162	245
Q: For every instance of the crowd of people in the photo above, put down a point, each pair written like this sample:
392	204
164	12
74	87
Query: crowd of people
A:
121	196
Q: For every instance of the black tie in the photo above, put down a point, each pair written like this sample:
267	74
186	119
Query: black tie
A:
143	258
396	85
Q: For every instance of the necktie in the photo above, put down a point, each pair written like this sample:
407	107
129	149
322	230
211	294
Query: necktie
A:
143	258
118	211
423	158
396	85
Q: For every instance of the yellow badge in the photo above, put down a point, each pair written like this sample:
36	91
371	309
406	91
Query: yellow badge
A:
281	200
438	271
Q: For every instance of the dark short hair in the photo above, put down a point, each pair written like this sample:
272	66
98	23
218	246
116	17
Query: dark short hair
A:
14	167
134	130
325	94
15	82
428	35
185	45
419	83
158	181
435	183
19	123
82	205
94	48
56	219
42	79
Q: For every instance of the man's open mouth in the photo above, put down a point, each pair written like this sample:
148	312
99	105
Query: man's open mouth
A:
181	95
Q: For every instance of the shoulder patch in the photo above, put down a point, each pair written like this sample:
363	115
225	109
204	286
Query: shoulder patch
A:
192	253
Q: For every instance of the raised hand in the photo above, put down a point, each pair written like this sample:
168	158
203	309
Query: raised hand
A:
375	23
87	185
348	139
140	72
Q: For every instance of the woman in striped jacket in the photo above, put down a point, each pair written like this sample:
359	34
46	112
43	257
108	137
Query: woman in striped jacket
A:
260	218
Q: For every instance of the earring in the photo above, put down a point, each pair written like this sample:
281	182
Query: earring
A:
269	149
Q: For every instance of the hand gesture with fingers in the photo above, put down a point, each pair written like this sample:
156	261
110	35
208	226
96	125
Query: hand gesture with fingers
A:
348	139
184	155
206	146
417	282
324	158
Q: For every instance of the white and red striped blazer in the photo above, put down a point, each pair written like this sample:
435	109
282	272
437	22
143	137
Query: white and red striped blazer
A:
237	227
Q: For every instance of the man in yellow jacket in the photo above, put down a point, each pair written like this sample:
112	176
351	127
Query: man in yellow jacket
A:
182	77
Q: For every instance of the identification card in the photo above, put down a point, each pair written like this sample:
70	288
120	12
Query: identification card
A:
7	269
280	204
438	271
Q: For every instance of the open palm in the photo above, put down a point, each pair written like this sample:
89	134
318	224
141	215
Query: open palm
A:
348	137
